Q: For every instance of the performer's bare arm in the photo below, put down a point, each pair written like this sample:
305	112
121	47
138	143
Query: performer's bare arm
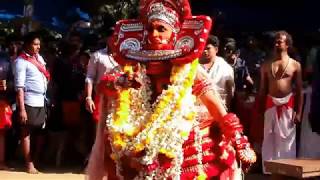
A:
211	100
213	104
299	96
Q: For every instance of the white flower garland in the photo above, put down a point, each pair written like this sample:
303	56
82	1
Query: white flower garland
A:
168	131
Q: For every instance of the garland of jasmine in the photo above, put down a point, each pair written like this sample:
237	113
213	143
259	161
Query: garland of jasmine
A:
161	128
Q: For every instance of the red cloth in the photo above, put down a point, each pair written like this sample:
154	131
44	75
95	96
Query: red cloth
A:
256	120
96	112
255	123
5	115
270	104
243	109
34	60
71	113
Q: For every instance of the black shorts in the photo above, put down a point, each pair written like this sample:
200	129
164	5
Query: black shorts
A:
36	116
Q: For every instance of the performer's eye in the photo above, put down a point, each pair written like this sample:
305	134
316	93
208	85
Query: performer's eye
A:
161	29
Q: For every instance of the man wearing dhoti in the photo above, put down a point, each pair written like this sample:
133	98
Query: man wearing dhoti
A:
283	104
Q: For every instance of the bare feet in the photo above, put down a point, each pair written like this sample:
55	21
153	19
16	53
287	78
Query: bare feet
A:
31	169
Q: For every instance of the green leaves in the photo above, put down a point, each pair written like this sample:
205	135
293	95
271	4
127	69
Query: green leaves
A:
122	9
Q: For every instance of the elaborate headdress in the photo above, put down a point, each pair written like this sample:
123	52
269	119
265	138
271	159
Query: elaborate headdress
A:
129	41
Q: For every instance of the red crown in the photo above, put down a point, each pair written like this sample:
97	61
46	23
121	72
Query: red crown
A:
191	32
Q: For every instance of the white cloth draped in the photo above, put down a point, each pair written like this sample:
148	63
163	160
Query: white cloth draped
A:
309	141
279	141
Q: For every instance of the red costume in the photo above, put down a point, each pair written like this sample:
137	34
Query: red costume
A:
169	138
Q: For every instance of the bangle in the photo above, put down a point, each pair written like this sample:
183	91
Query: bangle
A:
88	98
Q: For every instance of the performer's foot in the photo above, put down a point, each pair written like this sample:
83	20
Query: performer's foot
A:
31	169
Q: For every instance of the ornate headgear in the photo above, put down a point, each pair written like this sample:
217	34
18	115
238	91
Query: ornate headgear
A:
158	11
190	33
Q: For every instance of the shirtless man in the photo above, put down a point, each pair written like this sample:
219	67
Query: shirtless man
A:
276	92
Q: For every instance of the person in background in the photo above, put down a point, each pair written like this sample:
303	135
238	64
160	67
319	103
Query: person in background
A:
283	103
6	99
14	46
254	57
242	76
242	81
219	70
100	63
30	80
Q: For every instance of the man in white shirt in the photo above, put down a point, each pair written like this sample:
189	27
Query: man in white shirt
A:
219	70
101	62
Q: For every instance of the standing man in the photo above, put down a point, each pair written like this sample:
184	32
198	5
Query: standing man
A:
282	110
31	79
14	45
101	62
242	76
219	70
6	99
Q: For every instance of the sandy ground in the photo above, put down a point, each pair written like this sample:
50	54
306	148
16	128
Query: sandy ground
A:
11	175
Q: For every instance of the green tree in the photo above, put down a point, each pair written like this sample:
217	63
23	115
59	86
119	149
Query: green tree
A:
106	12
117	9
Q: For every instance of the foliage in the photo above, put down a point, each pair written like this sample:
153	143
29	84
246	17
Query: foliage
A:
106	12
122	9
117	9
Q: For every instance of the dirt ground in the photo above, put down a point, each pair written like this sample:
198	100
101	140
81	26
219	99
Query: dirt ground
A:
11	175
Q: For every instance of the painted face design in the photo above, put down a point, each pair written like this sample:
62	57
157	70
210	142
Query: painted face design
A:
159	36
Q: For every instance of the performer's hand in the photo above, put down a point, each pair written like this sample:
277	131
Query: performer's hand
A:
90	105
245	153
233	130
124	81
296	118
23	116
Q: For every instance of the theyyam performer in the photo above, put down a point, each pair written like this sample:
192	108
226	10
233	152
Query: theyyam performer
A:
150	125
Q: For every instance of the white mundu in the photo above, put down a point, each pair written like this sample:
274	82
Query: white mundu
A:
309	141
279	137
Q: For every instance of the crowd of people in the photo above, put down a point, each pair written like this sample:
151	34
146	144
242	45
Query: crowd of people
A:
46	98
50	104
